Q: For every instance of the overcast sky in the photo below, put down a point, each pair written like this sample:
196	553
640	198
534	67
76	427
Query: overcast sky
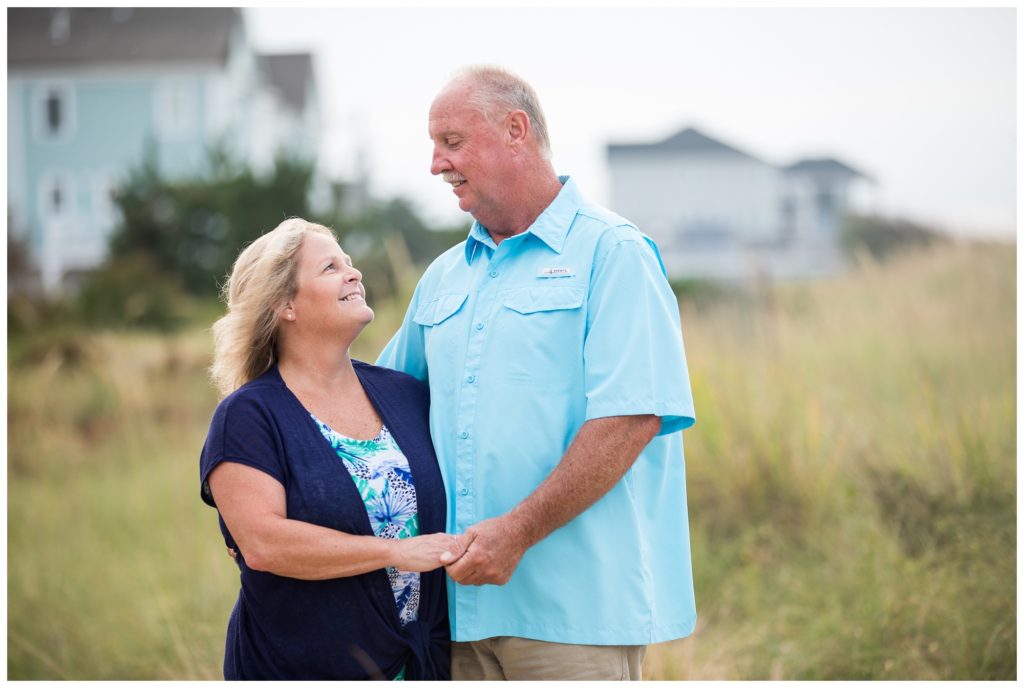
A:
923	100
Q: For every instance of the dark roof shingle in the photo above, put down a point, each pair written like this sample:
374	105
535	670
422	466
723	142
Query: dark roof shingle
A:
46	37
687	140
820	166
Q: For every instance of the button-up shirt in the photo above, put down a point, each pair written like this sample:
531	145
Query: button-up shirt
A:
522	343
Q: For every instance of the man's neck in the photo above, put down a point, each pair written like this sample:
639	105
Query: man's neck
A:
531	202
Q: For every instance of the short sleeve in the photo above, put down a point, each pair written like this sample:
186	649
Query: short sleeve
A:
406	351
634	361
242	431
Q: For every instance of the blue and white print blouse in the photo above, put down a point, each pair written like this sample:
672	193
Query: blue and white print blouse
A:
382	476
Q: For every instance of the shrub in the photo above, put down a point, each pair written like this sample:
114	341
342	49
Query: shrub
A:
133	291
882	237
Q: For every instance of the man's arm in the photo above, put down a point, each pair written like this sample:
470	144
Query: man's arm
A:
601	453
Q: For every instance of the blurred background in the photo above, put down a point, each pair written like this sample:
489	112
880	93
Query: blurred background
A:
834	195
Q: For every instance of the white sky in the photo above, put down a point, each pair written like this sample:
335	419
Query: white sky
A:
924	100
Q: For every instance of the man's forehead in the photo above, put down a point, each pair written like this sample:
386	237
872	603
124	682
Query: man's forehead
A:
451	114
447	120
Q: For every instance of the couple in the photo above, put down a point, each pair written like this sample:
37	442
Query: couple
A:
542	361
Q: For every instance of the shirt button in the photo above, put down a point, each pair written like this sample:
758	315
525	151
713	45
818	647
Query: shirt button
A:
493	273
464	491
471	379
479	326
463	435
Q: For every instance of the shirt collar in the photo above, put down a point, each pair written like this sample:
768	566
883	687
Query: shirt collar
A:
551	226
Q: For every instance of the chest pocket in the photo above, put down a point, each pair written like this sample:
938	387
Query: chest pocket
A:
440	309
542	299
438	318
541	335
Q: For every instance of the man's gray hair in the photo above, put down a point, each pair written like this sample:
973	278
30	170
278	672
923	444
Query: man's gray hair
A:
497	92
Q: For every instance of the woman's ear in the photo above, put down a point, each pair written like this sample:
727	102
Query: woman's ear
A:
287	313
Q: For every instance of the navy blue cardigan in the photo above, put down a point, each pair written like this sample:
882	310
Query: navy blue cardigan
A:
343	628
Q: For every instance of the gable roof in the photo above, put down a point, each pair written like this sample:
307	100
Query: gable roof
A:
290	74
49	37
823	166
686	140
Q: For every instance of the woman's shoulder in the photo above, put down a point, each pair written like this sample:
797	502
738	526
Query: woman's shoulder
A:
389	379
263	392
390	375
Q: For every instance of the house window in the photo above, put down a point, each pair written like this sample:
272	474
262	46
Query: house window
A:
55	112
58	204
104	188
174	110
56	194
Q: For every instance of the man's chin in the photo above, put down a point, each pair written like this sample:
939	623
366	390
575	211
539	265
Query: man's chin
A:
467	203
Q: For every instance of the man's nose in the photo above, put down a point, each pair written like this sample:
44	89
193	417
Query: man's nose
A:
438	163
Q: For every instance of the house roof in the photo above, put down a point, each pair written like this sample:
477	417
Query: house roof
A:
290	74
686	140
692	140
49	37
823	166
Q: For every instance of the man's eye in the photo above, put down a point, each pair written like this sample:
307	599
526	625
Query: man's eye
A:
454	143
329	266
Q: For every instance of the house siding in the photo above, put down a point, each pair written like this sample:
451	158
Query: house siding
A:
718	213
100	147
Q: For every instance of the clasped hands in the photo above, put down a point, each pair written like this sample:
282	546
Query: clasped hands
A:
487	553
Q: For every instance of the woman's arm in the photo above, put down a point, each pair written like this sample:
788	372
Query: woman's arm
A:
253	506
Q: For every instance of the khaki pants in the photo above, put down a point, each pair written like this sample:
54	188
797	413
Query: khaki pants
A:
522	659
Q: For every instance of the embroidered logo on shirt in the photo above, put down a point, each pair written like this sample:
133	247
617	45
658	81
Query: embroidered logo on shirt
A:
556	272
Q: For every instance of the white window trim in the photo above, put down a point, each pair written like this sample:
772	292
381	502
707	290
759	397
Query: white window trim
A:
167	126
40	92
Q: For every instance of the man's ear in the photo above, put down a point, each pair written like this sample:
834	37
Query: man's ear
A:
518	128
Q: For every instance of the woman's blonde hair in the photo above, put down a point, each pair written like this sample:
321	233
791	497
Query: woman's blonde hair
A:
261	283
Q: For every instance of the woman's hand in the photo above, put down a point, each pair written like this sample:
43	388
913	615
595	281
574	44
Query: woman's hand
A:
423	552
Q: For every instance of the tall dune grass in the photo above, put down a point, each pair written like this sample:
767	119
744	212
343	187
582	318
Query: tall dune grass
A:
851	481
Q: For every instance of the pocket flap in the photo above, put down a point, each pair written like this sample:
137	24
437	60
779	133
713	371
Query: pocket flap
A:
538	299
440	309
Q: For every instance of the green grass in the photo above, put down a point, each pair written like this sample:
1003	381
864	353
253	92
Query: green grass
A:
851	481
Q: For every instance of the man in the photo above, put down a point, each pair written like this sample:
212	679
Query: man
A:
551	343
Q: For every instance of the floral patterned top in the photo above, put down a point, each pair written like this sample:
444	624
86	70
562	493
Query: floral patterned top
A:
382	476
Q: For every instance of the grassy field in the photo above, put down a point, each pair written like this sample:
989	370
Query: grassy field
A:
851	476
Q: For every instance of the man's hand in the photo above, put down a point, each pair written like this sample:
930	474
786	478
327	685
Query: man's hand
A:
496	549
600	454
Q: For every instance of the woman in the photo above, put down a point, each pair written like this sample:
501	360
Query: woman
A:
324	477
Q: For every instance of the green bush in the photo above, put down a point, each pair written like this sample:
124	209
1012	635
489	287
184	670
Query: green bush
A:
132	291
194	228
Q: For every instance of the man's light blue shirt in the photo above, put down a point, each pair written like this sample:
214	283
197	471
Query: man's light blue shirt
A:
521	344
